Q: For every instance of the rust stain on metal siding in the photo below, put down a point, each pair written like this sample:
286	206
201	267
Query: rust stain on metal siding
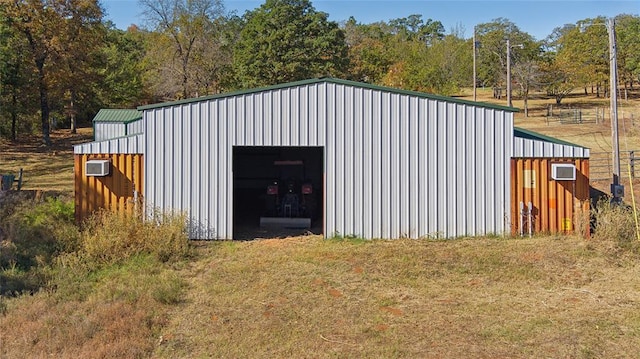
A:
558	206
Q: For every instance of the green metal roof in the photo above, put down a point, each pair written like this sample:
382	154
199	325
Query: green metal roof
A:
117	115
334	81
530	135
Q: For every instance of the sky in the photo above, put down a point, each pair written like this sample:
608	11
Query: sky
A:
537	18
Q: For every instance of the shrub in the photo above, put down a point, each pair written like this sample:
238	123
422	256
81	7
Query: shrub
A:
111	238
41	240
615	223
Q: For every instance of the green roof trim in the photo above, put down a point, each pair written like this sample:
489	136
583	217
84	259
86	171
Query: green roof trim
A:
530	135
124	116
334	81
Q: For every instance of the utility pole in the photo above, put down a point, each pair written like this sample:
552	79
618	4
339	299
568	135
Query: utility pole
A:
509	73
617	191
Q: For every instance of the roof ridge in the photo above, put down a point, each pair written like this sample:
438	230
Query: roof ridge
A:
328	80
117	115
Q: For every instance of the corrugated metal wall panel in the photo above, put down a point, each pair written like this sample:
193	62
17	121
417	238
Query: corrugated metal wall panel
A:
135	128
559	206
395	165
106	130
528	148
118	191
110	130
123	145
415	191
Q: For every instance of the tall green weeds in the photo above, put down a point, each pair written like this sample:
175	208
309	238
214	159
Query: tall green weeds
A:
35	232
40	244
111	242
32	235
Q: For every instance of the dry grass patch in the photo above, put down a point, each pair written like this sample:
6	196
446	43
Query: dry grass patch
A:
44	168
541	297
597	137
117	318
310	297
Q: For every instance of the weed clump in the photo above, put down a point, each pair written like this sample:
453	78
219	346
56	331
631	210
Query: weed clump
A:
39	240
110	238
615	224
32	234
35	232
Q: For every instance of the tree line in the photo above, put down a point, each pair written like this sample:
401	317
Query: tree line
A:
61	61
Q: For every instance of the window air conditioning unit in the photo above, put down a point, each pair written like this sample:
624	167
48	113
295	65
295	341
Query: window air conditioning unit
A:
96	168
563	171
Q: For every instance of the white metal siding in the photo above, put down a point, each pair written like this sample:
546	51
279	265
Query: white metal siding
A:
121	145
135	127
396	165
108	130
527	148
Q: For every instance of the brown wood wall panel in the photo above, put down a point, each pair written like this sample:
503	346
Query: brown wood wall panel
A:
114	192
558	206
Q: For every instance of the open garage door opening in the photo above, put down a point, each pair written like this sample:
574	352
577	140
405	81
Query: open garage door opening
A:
278	191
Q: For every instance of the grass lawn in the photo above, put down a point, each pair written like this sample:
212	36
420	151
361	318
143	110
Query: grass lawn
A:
305	297
49	169
480	298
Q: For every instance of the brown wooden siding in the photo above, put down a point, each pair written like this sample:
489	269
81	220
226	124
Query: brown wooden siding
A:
558	206
115	191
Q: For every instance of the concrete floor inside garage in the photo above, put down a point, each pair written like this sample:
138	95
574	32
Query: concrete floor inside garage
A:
258	172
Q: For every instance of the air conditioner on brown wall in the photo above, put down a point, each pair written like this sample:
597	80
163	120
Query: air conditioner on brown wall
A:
96	168
563	171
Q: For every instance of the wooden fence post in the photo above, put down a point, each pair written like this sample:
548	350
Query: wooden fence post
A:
19	180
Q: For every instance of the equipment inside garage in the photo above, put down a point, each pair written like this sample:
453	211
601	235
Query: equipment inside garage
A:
277	188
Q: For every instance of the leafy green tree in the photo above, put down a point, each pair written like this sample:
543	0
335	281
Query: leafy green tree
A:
435	69
123	68
288	40
15	81
37	21
414	28
581	55
47	26
557	76
560	69
492	52
578	55
78	59
587	46
409	53
184	47
628	40
368	50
